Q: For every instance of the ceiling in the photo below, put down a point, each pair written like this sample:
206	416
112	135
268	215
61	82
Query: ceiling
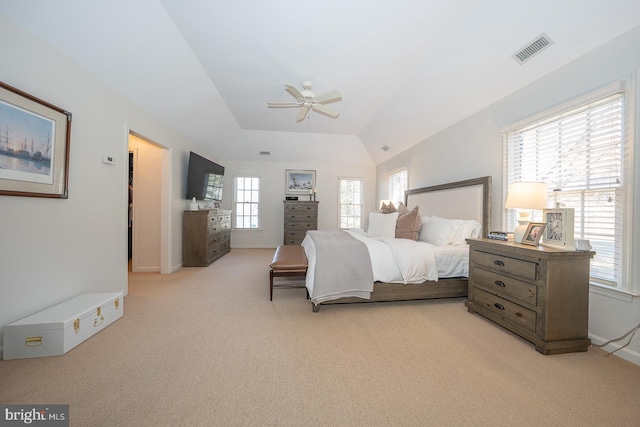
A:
407	69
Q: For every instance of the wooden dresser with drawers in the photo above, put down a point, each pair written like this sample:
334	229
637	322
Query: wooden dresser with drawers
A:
537	292
206	236
299	216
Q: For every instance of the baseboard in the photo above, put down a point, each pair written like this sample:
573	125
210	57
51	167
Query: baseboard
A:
626	353
148	270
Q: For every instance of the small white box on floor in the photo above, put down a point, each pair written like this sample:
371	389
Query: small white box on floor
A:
58	329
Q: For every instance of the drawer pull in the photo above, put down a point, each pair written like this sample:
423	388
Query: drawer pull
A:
500	283
498	263
499	306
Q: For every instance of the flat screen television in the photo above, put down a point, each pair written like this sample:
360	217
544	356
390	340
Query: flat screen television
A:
204	179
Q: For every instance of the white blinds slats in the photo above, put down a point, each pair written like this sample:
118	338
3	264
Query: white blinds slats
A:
579	154
397	186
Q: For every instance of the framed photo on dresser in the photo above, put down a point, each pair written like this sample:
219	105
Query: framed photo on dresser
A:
534	233
559	228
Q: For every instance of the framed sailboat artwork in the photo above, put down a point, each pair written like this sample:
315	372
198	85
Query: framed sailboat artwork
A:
34	146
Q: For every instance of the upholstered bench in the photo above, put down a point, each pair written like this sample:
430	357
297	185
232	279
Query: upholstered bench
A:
289	260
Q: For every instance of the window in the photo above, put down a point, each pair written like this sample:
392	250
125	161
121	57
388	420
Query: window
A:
350	203
397	186
247	202
580	154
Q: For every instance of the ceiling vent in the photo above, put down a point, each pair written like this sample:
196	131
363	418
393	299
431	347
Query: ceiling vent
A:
536	46
265	153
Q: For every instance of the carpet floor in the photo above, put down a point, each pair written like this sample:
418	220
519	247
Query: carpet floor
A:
206	347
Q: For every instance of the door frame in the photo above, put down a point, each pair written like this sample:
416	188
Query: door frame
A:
165	201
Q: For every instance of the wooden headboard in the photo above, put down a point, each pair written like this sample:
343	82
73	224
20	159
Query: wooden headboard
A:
468	199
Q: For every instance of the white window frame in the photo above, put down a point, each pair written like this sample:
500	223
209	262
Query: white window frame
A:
357	216
397	194
237	212
624	285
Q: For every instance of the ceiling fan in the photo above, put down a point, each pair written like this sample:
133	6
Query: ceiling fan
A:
307	100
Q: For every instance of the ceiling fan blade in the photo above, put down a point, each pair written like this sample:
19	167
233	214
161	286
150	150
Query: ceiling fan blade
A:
328	97
282	104
294	92
324	110
302	114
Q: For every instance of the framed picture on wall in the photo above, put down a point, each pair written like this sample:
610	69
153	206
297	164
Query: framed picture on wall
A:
559	228
300	181
34	146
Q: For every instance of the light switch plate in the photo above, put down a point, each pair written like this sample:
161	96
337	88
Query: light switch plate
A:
110	160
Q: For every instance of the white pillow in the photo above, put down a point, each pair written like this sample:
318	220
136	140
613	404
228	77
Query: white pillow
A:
468	229
438	231
382	225
366	220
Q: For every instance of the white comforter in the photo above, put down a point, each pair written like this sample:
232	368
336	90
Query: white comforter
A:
401	260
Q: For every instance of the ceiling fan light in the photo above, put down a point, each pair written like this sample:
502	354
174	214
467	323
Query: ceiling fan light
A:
306	100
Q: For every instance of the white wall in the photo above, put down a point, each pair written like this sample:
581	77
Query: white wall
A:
333	156
52	250
473	148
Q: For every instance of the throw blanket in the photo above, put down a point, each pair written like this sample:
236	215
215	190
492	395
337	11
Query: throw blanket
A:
342	266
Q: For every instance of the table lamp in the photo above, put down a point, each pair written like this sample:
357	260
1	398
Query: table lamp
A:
525	196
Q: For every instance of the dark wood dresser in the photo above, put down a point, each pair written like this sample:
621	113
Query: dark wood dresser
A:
206	236
539	293
299	216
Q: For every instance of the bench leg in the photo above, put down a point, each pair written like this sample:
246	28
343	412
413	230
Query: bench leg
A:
295	273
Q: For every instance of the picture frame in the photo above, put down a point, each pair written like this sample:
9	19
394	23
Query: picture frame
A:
34	146
559	232
300	181
534	233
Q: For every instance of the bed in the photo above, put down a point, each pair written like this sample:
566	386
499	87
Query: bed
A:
331	279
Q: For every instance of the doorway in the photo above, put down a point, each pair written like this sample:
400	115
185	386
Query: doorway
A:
149	210
130	213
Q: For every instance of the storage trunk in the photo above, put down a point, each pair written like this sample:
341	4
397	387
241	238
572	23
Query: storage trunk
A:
58	329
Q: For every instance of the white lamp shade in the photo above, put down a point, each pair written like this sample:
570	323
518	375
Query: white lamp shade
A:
527	195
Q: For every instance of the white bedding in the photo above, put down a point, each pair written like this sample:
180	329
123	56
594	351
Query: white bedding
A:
402	260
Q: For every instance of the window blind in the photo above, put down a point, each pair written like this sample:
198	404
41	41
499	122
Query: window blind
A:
397	186
579	154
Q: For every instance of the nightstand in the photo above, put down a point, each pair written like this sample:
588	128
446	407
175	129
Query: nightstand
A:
537	292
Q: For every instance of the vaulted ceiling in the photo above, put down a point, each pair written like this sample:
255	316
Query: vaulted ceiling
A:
406	69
